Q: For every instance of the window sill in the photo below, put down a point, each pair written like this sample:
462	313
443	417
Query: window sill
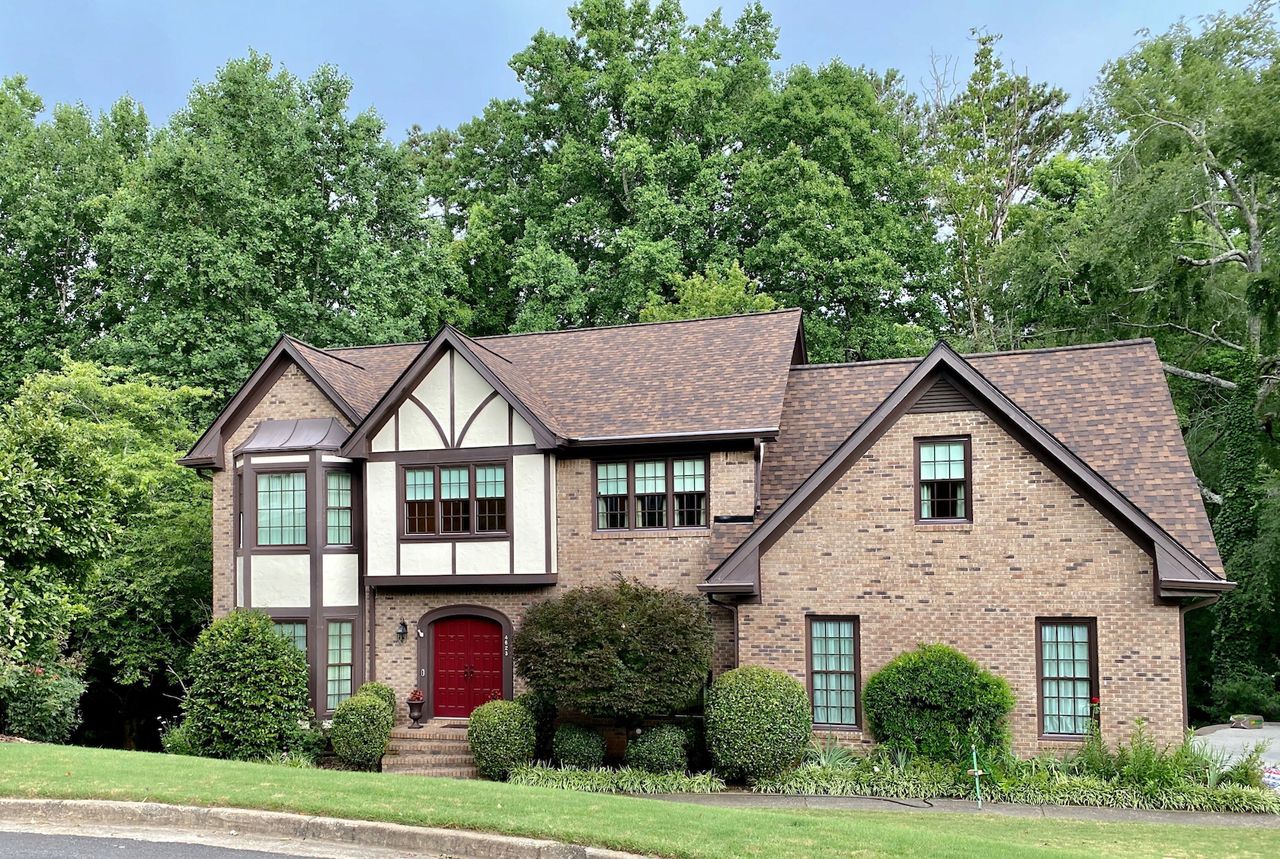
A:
1064	739
454	538
944	527
650	533
838	729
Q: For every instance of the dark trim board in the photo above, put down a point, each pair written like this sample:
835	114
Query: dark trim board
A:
463	580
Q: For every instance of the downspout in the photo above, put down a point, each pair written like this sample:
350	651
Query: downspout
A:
1182	631
755	510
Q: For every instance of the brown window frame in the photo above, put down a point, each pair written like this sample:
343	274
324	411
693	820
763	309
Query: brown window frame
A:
259	472
1092	623
632	508
965	440
473	531
350	508
809	621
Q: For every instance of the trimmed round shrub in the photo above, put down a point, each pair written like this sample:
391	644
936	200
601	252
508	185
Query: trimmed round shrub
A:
501	736
658	750
576	746
43	704
248	697
622	652
758	722
361	729
935	701
382	692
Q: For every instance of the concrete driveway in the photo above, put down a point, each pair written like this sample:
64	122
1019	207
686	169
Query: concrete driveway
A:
1238	741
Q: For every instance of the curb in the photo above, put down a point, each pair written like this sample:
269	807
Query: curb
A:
282	825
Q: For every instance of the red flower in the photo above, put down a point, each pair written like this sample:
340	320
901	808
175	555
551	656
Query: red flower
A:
1095	700
416	696
38	671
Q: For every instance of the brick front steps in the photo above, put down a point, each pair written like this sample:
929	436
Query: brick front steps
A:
439	748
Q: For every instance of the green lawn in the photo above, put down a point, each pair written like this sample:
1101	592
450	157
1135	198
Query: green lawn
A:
639	825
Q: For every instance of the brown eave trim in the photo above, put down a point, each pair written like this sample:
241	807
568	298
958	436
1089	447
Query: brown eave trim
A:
462	580
672	437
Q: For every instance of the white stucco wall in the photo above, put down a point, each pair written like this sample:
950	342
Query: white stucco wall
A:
426	559
281	581
530	492
341	580
380	516
490	557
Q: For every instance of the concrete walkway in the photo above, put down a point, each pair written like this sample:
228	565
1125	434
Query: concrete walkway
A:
742	799
1238	742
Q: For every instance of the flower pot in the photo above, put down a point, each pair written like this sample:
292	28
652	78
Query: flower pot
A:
415	713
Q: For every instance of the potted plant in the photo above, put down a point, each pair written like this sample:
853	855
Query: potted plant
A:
415	701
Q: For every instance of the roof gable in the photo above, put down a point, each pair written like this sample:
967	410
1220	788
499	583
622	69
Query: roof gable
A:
1177	567
448	339
207	452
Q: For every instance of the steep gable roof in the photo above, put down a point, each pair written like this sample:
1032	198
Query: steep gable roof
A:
1108	425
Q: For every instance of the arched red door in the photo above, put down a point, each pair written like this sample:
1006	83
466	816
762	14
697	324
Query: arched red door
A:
468	663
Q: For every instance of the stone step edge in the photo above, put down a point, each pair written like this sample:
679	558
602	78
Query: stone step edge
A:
104	814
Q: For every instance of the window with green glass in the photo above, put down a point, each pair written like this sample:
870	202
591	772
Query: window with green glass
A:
833	670
420	500
338	509
1068	676
689	477
491	498
338	668
282	509
944	479
651	494
455	500
295	631
611	495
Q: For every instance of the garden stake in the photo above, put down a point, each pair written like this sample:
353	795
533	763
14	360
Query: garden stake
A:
977	774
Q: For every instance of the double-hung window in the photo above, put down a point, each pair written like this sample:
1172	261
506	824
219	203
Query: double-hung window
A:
651	494
1068	668
282	508
833	670
942	480
341	651
338	508
447	500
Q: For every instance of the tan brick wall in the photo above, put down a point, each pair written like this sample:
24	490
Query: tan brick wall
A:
293	396
1035	549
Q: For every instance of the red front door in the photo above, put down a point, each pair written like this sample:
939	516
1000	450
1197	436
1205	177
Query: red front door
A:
467	652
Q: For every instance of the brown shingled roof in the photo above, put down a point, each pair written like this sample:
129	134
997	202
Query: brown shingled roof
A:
1108	403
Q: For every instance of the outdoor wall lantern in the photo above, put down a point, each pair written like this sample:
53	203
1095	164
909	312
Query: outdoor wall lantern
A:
402	632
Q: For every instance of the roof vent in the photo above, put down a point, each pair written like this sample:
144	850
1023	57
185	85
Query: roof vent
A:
943	396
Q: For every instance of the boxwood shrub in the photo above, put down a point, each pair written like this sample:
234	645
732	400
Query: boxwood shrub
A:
660	749
935	701
543	709
382	692
758	722
576	746
501	736
361	730
248	697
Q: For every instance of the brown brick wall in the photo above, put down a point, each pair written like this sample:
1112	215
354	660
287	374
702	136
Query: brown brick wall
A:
293	396
1035	549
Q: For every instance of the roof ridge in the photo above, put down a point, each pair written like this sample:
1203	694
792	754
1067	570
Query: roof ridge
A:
638	324
480	345
970	355
333	349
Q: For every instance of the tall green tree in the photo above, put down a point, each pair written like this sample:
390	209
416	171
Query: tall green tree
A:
263	208
984	143
57	178
647	150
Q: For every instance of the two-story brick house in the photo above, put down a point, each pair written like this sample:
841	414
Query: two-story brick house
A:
398	508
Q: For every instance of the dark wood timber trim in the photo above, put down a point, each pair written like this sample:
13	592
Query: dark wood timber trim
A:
857	668
968	479
464	580
448	337
452	455
1171	557
444	439
493	395
1092	623
426	647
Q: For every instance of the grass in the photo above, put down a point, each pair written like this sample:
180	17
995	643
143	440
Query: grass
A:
624	823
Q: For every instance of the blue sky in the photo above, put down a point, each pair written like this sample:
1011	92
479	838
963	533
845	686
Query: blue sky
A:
438	63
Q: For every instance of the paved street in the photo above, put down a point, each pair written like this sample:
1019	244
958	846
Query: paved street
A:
1237	741
26	845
